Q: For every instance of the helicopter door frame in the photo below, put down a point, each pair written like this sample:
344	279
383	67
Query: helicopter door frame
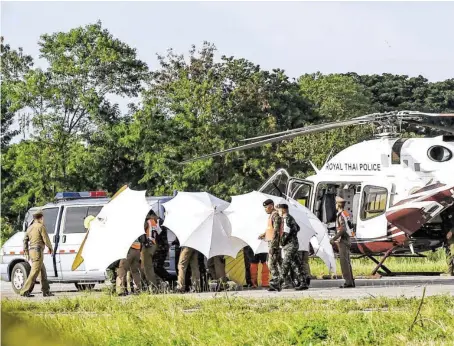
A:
291	192
371	220
273	178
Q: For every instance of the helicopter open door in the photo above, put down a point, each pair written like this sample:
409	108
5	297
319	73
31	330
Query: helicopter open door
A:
277	184
371	219
301	191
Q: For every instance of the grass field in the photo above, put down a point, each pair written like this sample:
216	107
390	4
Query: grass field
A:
433	262
176	320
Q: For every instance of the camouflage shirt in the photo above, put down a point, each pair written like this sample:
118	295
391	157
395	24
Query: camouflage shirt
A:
276	221
291	229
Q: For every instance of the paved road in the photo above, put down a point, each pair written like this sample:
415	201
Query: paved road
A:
365	288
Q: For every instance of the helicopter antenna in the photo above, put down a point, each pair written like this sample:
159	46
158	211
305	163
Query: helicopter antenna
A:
328	157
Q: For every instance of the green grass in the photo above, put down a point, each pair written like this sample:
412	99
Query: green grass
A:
433	262
179	320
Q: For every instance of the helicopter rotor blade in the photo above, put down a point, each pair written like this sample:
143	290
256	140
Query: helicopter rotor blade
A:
289	134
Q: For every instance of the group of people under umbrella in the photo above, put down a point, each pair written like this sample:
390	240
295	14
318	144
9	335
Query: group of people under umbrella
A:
206	225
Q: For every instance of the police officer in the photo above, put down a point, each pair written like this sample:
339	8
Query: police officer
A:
272	235
290	245
129	264
35	241
343	242
148	249
188	257
216	268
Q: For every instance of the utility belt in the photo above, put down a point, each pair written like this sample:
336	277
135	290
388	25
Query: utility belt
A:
36	248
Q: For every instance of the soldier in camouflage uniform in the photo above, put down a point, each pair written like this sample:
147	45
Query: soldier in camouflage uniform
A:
272	235
289	242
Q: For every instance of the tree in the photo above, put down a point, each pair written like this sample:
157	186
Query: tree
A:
195	106
14	64
334	97
70	98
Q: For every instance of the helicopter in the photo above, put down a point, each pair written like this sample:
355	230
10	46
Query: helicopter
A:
399	191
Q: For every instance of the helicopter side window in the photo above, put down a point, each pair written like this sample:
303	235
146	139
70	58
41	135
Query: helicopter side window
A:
374	202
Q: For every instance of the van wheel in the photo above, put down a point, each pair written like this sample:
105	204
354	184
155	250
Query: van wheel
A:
84	287
19	276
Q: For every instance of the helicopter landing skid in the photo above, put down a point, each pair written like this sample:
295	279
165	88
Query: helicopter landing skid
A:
382	270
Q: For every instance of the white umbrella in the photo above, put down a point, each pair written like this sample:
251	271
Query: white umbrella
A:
113	231
249	219
198	221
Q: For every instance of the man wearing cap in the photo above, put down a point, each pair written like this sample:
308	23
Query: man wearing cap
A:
35	241
290	245
272	235
343	242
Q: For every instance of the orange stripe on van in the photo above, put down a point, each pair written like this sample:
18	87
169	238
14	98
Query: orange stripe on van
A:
21	252
72	251
11	252
62	251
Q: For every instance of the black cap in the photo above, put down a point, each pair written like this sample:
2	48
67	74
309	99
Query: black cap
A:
282	206
268	202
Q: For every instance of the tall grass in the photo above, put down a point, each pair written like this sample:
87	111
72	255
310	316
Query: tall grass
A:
433	262
179	320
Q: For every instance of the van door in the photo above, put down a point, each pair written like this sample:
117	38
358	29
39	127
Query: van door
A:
301	191
374	201
51	217
72	234
277	184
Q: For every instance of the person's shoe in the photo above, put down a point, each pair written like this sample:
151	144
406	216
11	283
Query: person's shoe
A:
27	295
48	294
347	286
273	287
308	281
301	287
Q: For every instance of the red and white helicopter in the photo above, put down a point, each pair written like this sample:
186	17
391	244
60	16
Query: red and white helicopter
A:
400	191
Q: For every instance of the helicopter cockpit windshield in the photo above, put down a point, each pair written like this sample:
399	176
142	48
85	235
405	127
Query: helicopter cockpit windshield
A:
277	184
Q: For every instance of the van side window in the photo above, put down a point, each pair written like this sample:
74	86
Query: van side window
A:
374	202
94	210
74	220
50	219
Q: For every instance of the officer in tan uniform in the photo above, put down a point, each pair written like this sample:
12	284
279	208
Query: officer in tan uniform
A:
188	257
129	264
149	248
36	239
343	242
216	268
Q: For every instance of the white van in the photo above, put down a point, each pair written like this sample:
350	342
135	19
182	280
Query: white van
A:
64	222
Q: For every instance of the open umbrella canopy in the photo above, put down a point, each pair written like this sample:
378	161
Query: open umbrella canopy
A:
199	222
249	219
115	228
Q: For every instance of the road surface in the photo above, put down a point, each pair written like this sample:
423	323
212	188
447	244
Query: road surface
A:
321	289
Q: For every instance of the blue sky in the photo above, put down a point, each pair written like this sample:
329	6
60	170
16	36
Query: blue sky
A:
299	37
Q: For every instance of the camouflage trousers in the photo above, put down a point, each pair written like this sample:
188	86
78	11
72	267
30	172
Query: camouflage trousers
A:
274	264
450	258
292	263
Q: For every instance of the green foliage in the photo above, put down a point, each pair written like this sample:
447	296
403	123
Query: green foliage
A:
228	320
190	105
